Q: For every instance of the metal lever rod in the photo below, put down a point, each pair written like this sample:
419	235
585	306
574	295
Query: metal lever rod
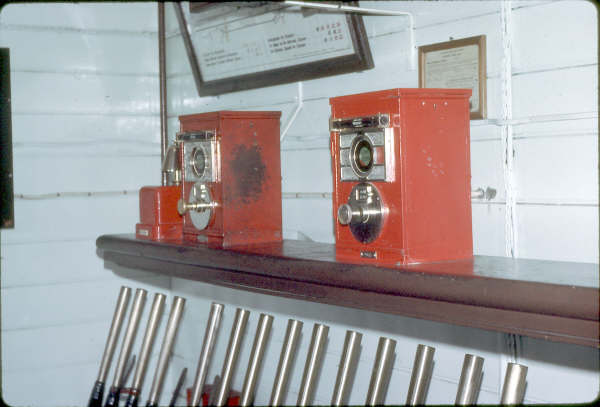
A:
513	390
286	362
178	387
109	348
261	338
347	369
154	318
421	375
210	337
129	369
165	351
130	333
312	367
233	350
382	371
470	381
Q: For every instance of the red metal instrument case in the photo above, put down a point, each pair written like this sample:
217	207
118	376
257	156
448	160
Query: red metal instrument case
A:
417	177
241	176
159	219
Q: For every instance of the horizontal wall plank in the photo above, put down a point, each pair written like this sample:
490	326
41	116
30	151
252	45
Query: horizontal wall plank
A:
558	126
306	171
136	17
72	262
572	91
74	303
69	345
564	233
558	169
313	217
55	131
87	94
78	172
425	14
71	219
80	52
540	32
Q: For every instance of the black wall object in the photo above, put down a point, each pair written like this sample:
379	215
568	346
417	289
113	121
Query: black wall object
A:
7	214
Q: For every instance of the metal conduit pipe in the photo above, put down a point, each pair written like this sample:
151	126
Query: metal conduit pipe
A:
347	369
421	376
210	337
382	371
312	367
261	338
513	390
109	349
470	381
286	362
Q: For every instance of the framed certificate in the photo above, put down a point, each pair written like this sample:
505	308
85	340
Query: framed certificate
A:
237	46
456	64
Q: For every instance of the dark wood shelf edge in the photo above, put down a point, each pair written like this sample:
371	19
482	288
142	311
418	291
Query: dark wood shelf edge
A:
560	328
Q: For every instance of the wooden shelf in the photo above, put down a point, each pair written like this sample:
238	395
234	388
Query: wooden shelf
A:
557	301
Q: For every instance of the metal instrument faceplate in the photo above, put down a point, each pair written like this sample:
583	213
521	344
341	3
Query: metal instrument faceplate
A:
200	193
363	213
363	138
200	156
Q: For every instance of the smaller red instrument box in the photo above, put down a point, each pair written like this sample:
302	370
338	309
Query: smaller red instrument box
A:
159	219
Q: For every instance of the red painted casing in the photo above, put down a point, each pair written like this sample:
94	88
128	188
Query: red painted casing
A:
159	219
427	202
248	180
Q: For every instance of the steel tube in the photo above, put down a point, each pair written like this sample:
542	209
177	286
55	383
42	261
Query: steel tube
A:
286	362
261	338
233	350
162	73
513	390
128	340
421	375
312	366
115	329
210	337
382	371
109	348
470	381
346	369
165	351
154	318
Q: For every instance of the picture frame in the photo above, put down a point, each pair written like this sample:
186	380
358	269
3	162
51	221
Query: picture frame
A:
457	64
327	64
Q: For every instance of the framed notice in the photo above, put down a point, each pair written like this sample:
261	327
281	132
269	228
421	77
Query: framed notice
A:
237	46
456	64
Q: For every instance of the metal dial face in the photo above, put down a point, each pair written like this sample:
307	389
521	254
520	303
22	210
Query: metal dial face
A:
367	212
198	161
361	156
201	193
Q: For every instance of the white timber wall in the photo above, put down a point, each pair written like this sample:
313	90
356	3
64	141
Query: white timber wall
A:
85	119
537	148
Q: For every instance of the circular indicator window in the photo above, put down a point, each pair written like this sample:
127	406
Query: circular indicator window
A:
363	155
198	161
